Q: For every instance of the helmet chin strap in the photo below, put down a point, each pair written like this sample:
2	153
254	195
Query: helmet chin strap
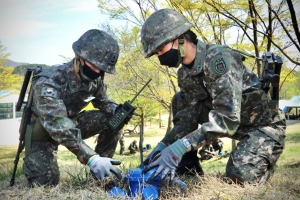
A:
180	46
77	60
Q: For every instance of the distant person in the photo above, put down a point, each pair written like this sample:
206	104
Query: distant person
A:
217	145
219	97
122	143
133	147
207	152
60	93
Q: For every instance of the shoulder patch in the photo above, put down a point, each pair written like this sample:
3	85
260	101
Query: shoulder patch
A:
220	65
49	92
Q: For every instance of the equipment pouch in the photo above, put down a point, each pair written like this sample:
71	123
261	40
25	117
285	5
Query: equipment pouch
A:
28	136
39	133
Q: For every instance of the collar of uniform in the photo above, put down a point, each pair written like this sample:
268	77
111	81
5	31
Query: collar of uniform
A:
199	60
74	83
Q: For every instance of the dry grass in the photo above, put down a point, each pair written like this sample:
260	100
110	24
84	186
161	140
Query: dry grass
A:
284	184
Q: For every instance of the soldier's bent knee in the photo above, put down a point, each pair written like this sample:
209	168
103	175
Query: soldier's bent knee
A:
252	173
40	164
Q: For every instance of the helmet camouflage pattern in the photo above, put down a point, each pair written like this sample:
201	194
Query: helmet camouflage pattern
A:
99	48
162	27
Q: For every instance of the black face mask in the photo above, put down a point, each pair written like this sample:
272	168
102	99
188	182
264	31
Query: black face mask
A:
87	74
171	58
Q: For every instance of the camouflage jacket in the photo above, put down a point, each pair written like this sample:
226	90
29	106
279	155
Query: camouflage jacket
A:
237	102
58	97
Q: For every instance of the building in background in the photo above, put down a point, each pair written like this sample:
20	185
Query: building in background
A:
291	108
9	118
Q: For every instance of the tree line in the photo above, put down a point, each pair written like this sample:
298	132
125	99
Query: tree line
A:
253	26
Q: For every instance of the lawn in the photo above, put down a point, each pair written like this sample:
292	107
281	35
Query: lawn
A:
76	182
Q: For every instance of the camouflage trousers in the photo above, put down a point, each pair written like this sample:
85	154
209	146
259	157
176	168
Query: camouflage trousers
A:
40	163
254	158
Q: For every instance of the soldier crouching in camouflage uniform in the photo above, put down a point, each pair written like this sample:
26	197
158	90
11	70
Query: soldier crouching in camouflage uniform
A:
218	92
60	93
133	148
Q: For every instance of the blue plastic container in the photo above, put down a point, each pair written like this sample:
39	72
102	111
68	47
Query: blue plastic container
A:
181	184
135	179
150	193
149	174
138	185
117	192
148	146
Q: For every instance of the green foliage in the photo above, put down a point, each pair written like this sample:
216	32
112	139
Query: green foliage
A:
243	25
133	71
6	171
213	25
128	162
292	142
290	85
66	156
8	81
76	181
78	177
3	56
21	70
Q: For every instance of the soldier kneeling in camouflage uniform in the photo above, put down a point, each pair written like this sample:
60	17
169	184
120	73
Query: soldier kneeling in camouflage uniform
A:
60	93
219	97
133	148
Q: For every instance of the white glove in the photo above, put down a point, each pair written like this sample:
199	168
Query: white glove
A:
102	167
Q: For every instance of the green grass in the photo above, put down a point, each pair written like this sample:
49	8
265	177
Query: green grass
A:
76	181
65	156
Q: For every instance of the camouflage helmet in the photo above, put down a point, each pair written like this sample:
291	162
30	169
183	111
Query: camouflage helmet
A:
99	48
162	27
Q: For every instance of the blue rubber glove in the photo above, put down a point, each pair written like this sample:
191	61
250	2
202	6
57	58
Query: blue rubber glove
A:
151	157
167	161
102	167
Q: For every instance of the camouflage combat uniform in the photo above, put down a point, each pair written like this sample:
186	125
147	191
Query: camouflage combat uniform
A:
224	96
218	97
133	148
122	143
58	99
218	145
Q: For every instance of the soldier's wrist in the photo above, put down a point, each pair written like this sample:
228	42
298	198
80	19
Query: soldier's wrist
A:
93	159
160	146
187	144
